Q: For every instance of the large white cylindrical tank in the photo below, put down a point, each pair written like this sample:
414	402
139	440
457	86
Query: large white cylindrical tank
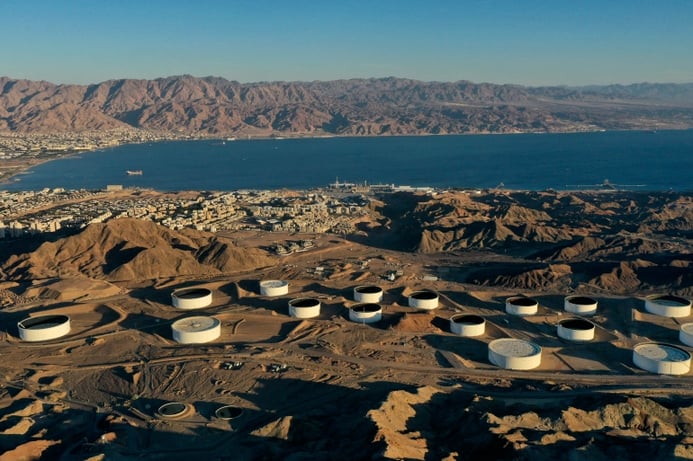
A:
467	325
581	305
514	354
304	308
663	359
686	334
368	294
274	287
576	330
191	298
521	305
668	306
196	330
43	327
423	299
366	313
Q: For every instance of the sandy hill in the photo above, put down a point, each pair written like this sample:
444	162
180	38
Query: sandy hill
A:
131	249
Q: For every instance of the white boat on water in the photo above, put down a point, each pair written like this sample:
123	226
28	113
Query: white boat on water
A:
134	172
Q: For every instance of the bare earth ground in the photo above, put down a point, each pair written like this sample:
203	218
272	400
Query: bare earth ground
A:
403	388
329	388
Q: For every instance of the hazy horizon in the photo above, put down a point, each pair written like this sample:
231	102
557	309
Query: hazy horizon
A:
533	43
161	77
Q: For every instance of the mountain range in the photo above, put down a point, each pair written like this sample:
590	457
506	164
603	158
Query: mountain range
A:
213	106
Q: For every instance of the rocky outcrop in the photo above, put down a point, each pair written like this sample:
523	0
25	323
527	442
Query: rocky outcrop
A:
429	424
618	242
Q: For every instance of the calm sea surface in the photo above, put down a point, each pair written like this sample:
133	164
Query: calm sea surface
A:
650	160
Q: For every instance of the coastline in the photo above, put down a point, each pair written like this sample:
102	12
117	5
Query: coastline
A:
22	165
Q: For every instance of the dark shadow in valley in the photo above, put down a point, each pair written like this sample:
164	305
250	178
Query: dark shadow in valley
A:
119	255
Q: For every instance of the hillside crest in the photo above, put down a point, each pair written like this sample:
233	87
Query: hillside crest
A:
384	106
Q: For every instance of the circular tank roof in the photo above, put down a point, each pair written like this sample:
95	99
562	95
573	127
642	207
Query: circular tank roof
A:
192	293
273	284
511	347
467	319
662	352
467	325
43	321
423	294
366	307
173	409
577	324
669	300
522	301
195	324
365	313
581	300
371	289
668	306
304	302
191	298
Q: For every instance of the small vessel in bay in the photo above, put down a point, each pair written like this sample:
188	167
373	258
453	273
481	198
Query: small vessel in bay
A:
134	172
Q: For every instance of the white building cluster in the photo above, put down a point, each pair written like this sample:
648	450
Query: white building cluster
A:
51	210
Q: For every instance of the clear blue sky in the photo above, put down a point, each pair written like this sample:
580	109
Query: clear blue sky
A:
530	42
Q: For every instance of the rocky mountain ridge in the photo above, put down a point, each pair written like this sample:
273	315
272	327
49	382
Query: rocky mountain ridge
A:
387	106
618	242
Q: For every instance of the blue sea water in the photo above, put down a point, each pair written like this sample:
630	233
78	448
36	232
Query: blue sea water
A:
640	160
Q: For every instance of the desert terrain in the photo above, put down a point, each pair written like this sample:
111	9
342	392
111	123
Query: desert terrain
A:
328	388
213	106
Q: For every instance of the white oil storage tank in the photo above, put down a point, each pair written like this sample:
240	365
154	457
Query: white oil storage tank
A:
576	330
366	313
196	330
368	294
686	334
423	299
304	308
663	359
274	287
521	305
581	305
43	327
514	354
191	298
467	325
668	306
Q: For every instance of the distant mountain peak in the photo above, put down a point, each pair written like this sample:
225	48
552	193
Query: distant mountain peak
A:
372	106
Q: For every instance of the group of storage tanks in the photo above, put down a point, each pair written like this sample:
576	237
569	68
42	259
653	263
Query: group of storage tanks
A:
200	329
508	353
519	354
